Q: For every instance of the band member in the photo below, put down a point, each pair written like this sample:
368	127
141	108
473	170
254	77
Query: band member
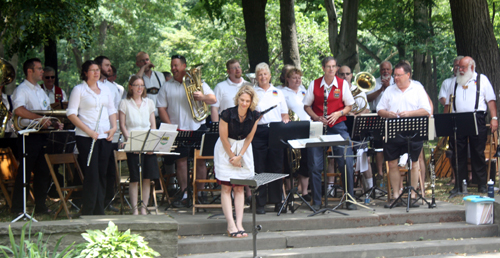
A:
152	79
468	98
447	84
405	98
339	104
294	93
30	96
137	113
233	156
173	107
53	91
91	109
226	90
284	71
267	159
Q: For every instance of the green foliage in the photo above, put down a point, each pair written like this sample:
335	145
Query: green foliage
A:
114	244
35	248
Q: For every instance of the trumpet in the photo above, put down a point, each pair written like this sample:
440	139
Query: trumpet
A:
364	82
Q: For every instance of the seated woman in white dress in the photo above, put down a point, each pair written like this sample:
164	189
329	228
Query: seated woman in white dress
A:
233	156
136	112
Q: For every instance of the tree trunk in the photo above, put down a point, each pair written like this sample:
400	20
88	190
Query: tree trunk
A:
50	52
254	14
474	37
289	33
332	25
103	32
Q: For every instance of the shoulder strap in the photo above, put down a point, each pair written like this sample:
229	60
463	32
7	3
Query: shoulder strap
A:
455	94
478	89
159	83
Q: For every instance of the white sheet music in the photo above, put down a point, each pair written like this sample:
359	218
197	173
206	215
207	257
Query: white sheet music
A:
168	127
158	141
331	138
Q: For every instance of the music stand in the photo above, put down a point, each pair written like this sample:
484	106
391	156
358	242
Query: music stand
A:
254	183
369	127
410	129
447	125
279	135
143	141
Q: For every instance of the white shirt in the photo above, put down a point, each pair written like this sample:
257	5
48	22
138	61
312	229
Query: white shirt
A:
156	80
272	96
86	104
413	98
115	89
445	87
378	85
52	94
137	118
172	95
346	92
5	101
225	92
465	99
294	101
32	97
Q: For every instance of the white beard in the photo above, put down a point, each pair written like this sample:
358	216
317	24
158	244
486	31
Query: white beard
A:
463	79
385	77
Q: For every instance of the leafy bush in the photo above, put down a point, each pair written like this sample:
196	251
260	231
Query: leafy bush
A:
114	244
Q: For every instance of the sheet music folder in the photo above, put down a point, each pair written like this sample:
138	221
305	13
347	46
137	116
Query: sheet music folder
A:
322	141
157	141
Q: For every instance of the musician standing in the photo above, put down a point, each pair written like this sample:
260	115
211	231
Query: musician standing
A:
84	111
338	105
468	98
30	96
53	91
447	84
267	159
226	90
173	108
406	98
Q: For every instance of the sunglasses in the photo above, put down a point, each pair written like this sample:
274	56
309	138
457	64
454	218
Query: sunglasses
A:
50	77
344	74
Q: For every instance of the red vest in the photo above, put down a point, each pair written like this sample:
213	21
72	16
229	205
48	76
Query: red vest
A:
58	96
335	102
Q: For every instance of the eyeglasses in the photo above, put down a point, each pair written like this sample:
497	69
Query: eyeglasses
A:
235	68
138	85
94	70
50	77
344	74
399	75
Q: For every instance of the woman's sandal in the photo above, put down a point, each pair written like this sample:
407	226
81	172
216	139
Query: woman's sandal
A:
234	234
243	233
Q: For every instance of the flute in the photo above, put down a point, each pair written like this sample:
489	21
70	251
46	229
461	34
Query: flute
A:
93	140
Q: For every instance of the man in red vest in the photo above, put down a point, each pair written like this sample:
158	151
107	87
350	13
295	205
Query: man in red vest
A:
333	93
55	93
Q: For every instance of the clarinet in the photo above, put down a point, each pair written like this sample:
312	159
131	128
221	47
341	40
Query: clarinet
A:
433	180
325	109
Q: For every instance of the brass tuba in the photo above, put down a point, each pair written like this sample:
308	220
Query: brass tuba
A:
192	83
364	82
7	76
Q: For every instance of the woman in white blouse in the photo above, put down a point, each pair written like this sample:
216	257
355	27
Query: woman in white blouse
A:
137	113
86	101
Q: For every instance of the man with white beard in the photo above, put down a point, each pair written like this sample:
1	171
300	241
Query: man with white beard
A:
468	98
447	84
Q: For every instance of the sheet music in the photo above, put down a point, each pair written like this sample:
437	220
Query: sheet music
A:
301	143
158	141
168	127
331	138
316	129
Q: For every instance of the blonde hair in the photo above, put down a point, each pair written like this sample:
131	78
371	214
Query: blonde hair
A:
130	93
248	89
290	72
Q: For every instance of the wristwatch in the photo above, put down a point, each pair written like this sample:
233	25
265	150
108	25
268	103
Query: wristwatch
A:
341	112
494	118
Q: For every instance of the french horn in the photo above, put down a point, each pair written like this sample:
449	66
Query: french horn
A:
364	82
192	83
7	76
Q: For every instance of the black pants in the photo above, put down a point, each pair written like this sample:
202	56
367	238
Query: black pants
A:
267	160
94	175
477	144
35	161
111	176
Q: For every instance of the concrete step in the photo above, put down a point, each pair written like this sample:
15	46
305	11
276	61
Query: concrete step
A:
334	237
485	247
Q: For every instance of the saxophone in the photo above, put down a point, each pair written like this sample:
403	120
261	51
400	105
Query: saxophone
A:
7	76
192	83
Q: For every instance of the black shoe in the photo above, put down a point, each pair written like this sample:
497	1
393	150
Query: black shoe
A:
202	199
260	210
277	208
181	203
454	190
396	204
482	189
113	208
351	206
316	207
306	197
248	200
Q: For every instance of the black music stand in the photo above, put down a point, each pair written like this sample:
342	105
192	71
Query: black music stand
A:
369	127
279	135
254	183
447	125
410	129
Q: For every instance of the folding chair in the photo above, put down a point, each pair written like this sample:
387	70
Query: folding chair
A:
64	159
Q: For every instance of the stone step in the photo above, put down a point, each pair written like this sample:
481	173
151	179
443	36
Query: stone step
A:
334	237
489	246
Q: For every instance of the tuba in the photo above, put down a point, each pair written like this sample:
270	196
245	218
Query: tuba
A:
7	76
192	83
364	82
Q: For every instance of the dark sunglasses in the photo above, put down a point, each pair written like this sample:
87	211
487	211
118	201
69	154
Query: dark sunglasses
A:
50	77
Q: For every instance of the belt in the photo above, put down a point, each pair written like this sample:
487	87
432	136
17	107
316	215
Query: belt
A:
263	126
153	91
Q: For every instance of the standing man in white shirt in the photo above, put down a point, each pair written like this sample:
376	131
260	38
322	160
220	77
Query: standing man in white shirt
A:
30	96
405	98
54	93
173	108
226	90
447	84
473	93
